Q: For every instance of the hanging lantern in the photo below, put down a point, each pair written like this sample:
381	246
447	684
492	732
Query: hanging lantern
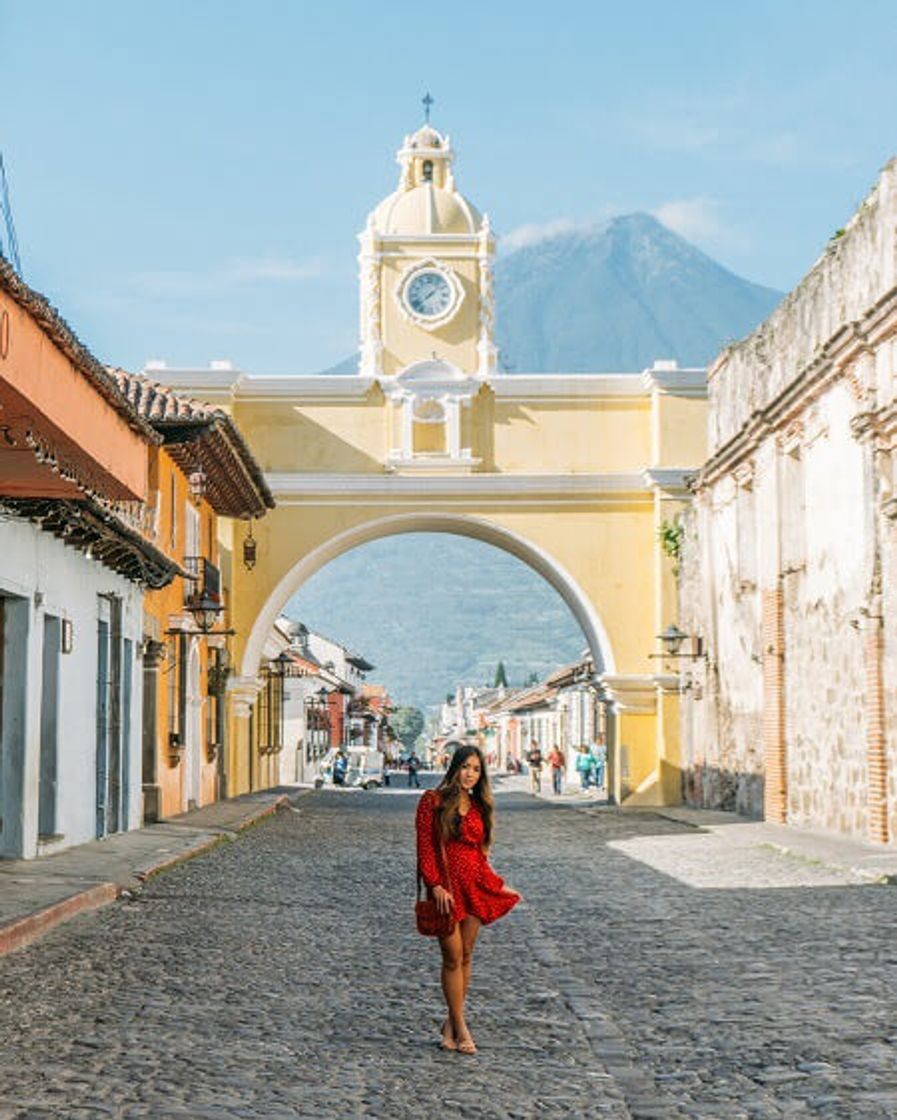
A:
249	549
197	484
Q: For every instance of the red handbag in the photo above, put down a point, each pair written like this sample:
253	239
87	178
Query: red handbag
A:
431	921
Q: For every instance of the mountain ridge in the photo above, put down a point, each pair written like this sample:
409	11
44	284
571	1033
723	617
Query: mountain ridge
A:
614	297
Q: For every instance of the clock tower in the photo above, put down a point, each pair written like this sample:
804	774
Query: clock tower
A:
426	271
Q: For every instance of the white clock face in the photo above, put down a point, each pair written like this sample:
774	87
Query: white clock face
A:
429	295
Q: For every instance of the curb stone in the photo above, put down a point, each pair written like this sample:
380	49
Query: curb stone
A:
22	931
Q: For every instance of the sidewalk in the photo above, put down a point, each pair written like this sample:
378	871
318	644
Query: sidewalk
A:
36	895
872	862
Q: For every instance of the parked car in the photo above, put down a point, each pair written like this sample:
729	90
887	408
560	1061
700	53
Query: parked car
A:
364	769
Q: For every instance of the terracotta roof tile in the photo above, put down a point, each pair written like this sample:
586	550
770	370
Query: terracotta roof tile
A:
195	431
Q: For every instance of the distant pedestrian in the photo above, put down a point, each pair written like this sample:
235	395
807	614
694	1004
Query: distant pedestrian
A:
585	765
534	761
598	751
455	825
557	762
413	767
340	767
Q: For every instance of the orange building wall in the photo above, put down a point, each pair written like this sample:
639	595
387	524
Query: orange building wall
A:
35	368
160	607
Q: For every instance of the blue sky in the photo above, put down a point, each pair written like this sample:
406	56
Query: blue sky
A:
188	178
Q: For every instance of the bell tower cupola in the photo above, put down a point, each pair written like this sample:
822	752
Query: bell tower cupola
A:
426	269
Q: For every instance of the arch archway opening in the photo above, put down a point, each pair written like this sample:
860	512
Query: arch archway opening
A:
474	528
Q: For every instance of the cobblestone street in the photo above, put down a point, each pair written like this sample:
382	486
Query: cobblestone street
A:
652	971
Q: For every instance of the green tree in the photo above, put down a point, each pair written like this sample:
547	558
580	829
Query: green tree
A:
501	677
407	723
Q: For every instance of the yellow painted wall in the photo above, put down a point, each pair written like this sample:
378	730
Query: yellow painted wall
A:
322	437
680	437
556	437
404	342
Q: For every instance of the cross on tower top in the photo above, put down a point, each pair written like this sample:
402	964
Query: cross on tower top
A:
427	101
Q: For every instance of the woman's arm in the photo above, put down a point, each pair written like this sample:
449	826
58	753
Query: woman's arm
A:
426	851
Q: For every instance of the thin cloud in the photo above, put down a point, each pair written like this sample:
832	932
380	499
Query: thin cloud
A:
534	232
700	220
273	268
693	218
257	270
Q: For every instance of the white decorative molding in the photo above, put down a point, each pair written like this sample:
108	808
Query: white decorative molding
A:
369	270
291	485
669	480
217	382
471	240
310	388
423	462
631	692
212	384
486	349
569	386
667	377
415	269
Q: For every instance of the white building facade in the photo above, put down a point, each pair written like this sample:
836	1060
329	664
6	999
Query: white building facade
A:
71	694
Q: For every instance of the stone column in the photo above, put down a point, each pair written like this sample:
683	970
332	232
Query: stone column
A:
408	428
452	408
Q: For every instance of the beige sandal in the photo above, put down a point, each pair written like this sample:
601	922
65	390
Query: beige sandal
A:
447	1042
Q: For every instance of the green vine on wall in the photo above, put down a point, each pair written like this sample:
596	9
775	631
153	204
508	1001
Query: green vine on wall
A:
671	534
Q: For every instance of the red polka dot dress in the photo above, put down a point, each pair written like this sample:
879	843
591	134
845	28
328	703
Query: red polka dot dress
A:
465	873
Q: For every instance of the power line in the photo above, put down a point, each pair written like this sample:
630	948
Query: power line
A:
12	242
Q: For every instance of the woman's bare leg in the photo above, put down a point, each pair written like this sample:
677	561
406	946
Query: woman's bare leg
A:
453	982
470	928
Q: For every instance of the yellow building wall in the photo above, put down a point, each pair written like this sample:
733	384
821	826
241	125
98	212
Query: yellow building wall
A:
550	437
326	438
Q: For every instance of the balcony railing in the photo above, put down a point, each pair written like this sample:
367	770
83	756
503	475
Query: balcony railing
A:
204	580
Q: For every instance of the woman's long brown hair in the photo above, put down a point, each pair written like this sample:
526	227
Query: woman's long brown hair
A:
448	797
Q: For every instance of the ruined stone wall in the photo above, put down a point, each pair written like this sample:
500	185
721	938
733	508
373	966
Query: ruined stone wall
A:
850	277
825	595
721	705
789	566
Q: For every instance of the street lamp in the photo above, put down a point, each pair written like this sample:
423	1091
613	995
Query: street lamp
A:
280	665
672	638
205	611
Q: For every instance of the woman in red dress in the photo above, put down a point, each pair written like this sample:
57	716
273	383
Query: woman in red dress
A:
455	824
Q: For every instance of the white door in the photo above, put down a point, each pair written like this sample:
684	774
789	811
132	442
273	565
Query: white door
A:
193	730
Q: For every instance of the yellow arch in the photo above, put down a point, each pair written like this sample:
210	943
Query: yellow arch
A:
463	525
